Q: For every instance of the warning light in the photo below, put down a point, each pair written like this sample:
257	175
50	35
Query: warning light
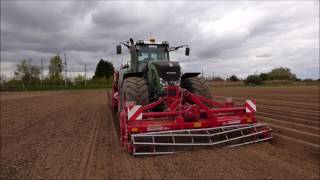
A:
134	130
197	124
152	39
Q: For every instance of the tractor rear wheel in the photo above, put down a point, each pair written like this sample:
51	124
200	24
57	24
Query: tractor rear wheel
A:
135	89
197	86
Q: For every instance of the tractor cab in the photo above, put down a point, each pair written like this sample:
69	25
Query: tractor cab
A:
143	52
151	52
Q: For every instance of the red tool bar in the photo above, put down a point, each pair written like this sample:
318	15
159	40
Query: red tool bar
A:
231	109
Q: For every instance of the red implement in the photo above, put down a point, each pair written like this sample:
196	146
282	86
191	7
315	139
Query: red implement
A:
187	120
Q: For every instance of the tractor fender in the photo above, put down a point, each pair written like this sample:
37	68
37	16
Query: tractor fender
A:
187	75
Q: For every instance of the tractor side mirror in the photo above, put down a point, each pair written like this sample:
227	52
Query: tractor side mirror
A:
187	51
119	49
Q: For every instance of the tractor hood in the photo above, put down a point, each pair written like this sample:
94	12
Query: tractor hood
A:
167	70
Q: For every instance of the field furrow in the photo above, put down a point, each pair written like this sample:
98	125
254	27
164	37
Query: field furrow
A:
74	135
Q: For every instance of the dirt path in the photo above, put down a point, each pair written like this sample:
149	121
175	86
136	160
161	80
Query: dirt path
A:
72	135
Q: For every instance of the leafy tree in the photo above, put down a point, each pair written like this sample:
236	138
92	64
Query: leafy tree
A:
264	77
78	80
27	73
308	80
282	74
217	78
253	79
104	69
55	68
233	78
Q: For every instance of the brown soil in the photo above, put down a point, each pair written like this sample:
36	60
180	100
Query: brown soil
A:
72	135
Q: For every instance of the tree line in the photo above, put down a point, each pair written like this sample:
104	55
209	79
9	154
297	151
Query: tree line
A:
276	74
28	76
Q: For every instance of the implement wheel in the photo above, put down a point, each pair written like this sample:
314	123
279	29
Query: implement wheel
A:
196	85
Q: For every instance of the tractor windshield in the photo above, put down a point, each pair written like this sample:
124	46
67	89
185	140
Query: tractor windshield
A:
152	52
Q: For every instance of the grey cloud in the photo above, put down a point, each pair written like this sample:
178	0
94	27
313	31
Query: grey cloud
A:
225	37
263	55
34	15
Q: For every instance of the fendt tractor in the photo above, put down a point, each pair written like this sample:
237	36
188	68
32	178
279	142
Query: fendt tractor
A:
162	110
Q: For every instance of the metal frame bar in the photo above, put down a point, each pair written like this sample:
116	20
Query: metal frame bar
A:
246	126
201	144
171	152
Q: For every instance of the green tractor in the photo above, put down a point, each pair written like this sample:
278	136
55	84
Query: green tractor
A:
149	71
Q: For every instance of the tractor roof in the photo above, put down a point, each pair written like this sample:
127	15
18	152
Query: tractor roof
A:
152	40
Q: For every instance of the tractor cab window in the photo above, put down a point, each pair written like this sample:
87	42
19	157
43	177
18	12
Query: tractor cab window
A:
152	52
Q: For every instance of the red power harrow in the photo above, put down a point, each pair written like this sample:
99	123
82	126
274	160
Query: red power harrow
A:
187	120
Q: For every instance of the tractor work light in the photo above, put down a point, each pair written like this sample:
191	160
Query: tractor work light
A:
140	42
163	83
165	43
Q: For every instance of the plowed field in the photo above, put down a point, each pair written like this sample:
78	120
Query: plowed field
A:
72	135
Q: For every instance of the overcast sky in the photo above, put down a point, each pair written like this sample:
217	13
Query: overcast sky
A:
225	37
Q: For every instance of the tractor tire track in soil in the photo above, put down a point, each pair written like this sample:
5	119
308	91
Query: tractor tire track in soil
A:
74	135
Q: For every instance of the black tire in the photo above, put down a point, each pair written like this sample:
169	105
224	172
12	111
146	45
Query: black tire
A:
197	86
135	89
